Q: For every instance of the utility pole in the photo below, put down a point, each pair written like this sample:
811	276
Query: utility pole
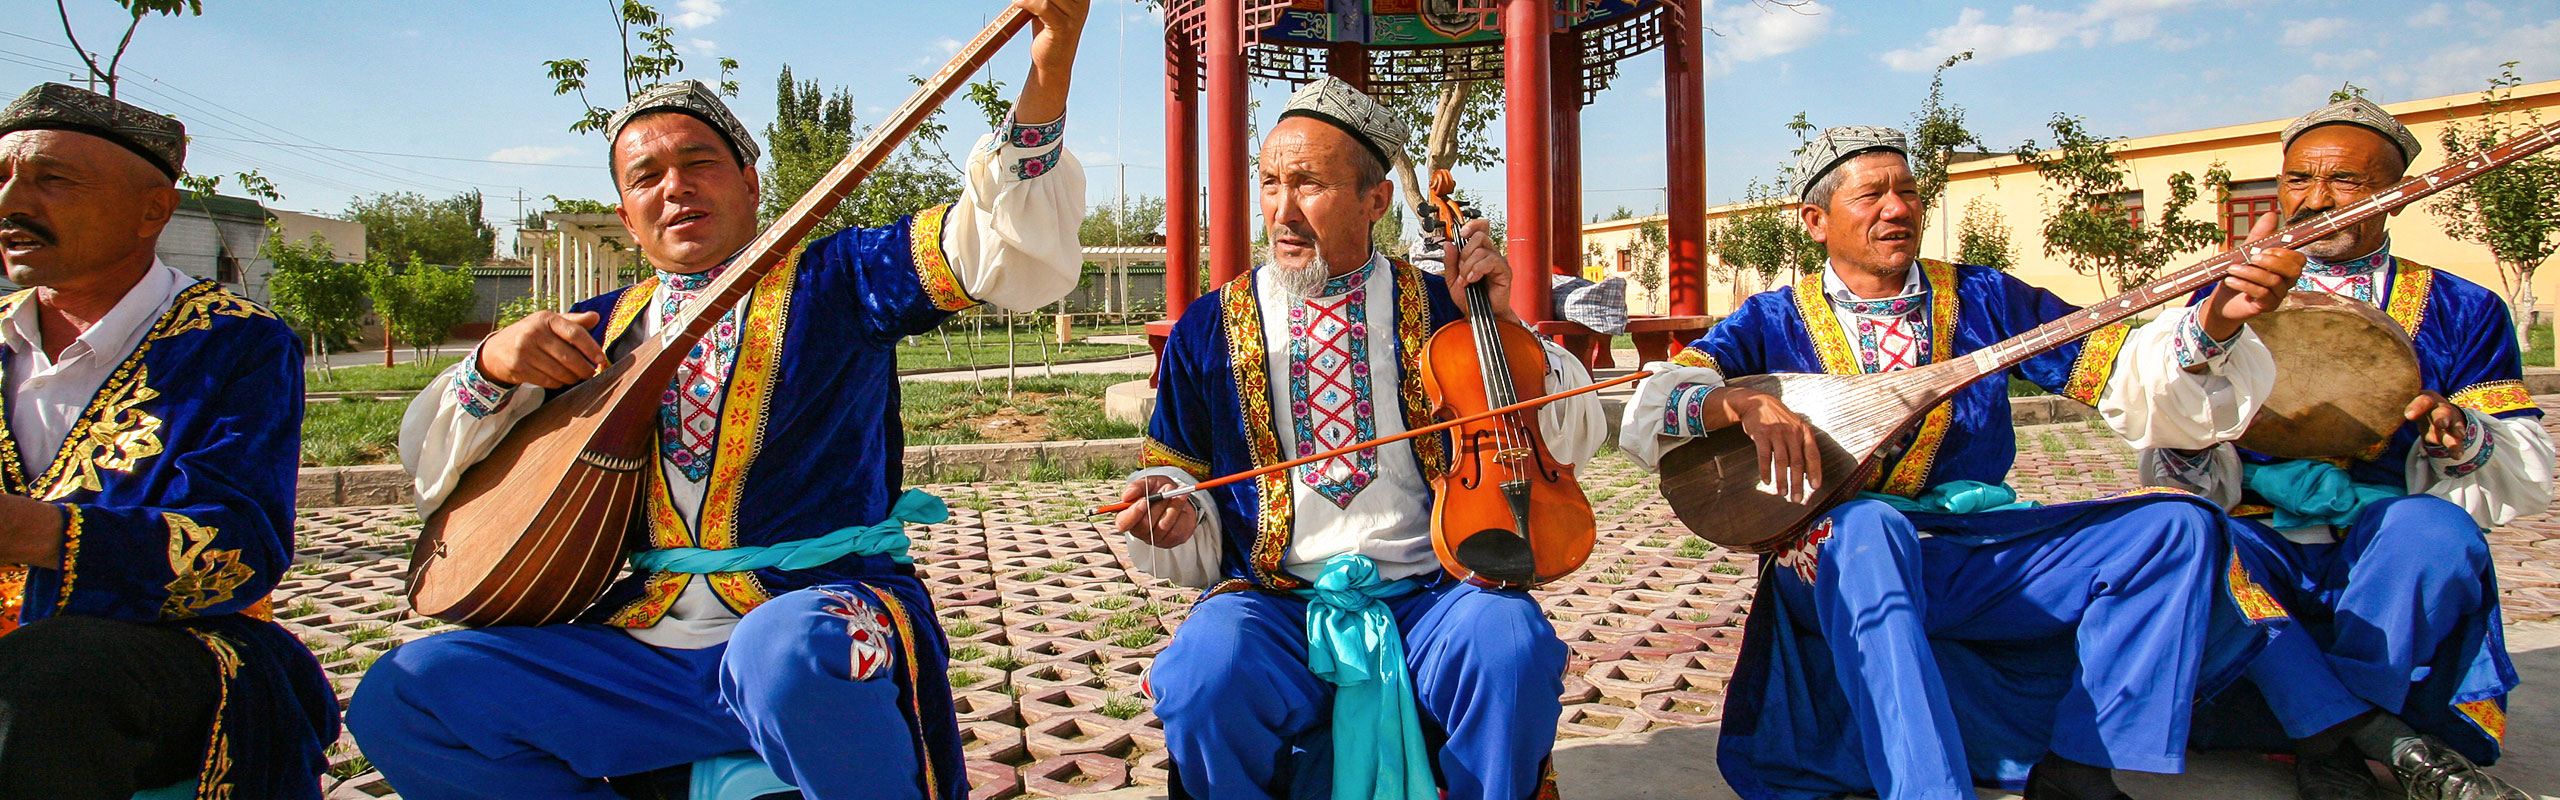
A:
517	246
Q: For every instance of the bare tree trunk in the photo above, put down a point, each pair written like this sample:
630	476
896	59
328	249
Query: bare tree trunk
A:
2520	304
1440	148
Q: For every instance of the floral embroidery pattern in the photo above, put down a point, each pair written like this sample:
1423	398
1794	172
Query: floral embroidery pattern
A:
1685	413
2253	600
478	396
1035	166
688	411
205	577
1329	390
2494	397
867	628
195	310
1413	327
1694	357
1154	453
1242	315
2490	715
1805	556
2195	347
116	438
1020	135
933	268
2097	362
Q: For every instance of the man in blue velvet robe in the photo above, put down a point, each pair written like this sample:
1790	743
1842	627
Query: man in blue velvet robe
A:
2400	656
1936	634
153	436
778	436
1331	655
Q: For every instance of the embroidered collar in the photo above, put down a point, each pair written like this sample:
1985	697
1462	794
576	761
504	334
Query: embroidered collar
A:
691	282
1914	296
1349	280
2379	259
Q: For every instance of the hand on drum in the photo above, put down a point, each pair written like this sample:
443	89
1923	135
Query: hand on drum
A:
2447	426
2254	287
548	349
1790	456
1478	261
1163	524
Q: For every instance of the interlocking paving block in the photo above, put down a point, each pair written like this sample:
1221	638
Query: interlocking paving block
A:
1052	630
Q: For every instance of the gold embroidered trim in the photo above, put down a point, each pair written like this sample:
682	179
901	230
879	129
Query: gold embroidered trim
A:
1413	329
915	708
1910	474
1153	453
2253	599
213	781
1694	357
743	412
71	530
13	596
2489	715
2097	363
933	267
1242	313
205	577
117	438
195	311
626	308
666	529
2410	285
2494	397
1823	328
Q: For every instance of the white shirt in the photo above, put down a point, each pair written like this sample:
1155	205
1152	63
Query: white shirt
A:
48	395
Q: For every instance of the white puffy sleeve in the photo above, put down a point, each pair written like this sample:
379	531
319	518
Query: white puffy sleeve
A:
2154	400
1011	238
1575	426
454	423
1193	563
1666	410
2502	470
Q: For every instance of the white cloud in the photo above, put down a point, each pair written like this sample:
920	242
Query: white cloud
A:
2348	61
703	47
1753	31
534	154
697	13
2433	16
2465	66
2030	30
2313	31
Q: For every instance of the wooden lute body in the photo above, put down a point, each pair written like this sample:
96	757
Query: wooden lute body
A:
1714	484
532	533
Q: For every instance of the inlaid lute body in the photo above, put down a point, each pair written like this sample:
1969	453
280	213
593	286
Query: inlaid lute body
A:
1713	482
532	533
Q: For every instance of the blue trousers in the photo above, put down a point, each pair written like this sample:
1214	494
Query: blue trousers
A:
2394	617
515	712
1244	718
1958	657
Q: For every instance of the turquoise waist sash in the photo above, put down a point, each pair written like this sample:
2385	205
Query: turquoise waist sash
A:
2307	493
886	537
1353	643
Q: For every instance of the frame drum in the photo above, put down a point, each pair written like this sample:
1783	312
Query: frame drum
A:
2345	373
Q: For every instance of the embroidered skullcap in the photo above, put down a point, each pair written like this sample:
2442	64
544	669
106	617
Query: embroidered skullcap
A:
1333	101
157	138
2362	113
1839	144
693	99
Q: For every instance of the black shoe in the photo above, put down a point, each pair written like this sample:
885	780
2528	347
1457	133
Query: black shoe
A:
2058	778
2339	774
2428	770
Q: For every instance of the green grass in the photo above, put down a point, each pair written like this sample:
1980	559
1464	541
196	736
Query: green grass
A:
1122	707
407	377
352	431
928	353
2540	354
1053	409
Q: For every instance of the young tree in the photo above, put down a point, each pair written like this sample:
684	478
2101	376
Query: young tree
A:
420	303
656	61
1108	224
2092	228
2512	209
813	129
447	231
1982	237
1767	238
313	292
1936	131
1459	118
1650	252
138	8
251	184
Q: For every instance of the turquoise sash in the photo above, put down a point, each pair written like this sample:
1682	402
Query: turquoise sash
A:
887	537
1353	643
2306	493
1955	497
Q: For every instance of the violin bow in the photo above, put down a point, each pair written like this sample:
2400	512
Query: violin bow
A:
1345	450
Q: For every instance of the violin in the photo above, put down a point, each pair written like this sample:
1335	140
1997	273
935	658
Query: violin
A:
1507	515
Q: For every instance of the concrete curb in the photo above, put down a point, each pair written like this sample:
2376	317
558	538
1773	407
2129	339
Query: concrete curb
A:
389	484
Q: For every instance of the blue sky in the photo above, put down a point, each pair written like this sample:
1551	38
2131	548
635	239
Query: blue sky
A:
463	81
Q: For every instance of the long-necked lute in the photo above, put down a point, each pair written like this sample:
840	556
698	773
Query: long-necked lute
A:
533	532
1714	483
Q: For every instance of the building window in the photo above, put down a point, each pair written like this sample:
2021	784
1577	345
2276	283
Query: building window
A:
2131	202
2248	200
226	269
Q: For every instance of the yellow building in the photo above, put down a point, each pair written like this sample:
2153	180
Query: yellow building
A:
2249	151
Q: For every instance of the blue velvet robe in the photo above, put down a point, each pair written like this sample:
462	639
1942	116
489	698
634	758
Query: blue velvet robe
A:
2466	352
1214	415
1785	714
177	487
809	438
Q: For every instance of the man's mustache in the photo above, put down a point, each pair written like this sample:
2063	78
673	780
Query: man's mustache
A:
2304	215
18	225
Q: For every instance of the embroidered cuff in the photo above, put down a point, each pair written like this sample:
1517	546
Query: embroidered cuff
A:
1684	411
1037	146
2196	348
478	395
2475	450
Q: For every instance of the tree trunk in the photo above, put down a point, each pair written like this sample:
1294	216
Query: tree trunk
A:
387	345
2520	304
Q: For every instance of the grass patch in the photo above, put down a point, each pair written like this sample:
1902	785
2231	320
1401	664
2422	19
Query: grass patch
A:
408	377
1722	568
1137	638
1062	408
1122	707
964	627
367	633
1113	603
965	678
2540	354
350	432
1693	547
968	652
1005	661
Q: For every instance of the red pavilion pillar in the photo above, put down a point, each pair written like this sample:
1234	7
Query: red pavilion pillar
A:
1230	223
1181	176
1350	62
1565	165
1528	120
1685	113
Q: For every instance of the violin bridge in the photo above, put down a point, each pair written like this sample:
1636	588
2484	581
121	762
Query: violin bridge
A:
610	463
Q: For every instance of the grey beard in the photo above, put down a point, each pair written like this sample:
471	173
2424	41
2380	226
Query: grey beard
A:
1300	283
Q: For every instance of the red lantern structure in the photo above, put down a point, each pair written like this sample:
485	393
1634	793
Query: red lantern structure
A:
1552	57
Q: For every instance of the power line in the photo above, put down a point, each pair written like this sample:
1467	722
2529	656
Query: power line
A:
403	155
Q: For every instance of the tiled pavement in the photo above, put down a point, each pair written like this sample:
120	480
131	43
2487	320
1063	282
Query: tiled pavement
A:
1050	630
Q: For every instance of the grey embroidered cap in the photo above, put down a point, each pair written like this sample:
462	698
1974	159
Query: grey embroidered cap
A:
1333	101
155	137
691	98
1838	144
2363	113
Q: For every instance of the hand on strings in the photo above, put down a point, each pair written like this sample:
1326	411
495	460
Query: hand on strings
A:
2254	287
2447	426
548	349
1790	456
1166	523
1479	260
1056	25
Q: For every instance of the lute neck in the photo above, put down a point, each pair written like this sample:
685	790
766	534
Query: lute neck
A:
2017	349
